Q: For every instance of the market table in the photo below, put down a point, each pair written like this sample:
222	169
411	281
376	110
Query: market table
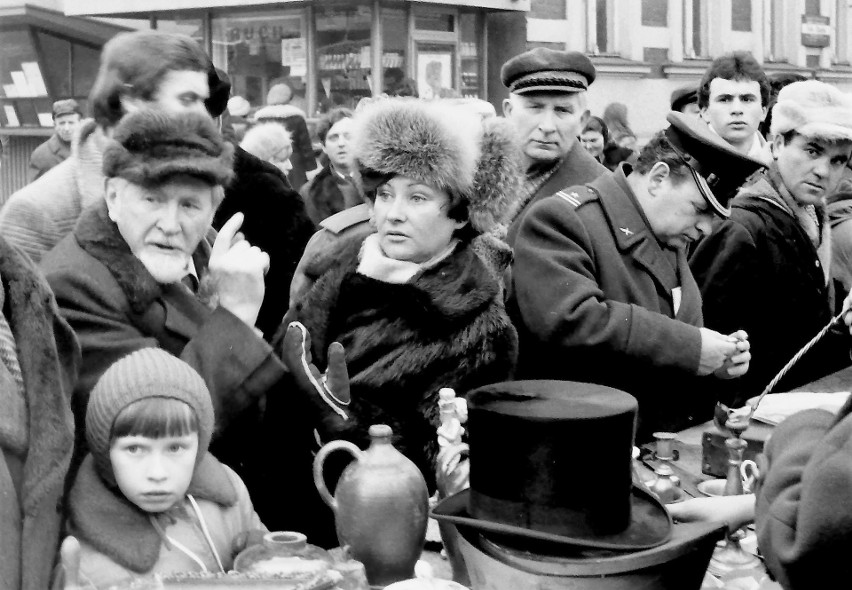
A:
689	464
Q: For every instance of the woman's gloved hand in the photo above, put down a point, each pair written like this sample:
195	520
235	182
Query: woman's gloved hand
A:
327	393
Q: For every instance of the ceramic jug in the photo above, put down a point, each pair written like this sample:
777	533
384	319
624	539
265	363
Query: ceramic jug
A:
380	506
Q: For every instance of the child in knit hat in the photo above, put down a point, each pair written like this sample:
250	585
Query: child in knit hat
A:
149	498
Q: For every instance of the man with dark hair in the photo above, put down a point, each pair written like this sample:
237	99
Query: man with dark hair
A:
547	108
332	189
766	269
601	291
733	97
54	151
138	69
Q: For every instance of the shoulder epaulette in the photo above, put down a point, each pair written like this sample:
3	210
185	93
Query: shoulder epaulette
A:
577	195
345	219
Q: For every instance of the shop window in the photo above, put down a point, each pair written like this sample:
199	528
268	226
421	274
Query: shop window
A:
471	86
812	8
397	80
56	59
20	74
554	9
85	61
697	27
261	49
741	15
437	23
343	55
655	13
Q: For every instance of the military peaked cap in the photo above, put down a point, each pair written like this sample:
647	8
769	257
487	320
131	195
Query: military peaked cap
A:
548	70
718	170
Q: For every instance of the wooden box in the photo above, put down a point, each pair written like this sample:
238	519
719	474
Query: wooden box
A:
714	453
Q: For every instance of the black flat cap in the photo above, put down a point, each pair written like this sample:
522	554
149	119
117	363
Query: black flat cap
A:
67	106
718	170
548	70
683	96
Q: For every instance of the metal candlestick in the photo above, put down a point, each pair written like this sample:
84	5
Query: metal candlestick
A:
729	554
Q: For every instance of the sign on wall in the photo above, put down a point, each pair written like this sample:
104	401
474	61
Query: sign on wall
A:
816	31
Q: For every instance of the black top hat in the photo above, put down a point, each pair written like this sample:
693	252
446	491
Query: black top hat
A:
550	461
548	70
718	169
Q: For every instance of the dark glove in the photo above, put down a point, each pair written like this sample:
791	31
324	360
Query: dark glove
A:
327	393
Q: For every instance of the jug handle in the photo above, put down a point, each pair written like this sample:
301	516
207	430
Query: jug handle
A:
319	461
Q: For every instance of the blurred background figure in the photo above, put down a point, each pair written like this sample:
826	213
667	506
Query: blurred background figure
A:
434	87
615	117
66	119
596	140
270	142
279	110
393	78
776	83
332	190
407	87
239	108
685	100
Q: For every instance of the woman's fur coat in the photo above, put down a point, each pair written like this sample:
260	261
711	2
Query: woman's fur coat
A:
447	327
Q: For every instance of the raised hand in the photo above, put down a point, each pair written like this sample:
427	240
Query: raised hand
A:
237	269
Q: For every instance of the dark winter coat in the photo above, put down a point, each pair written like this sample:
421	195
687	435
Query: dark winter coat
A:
49	357
326	194
803	516
445	328
275	221
593	300
577	167
115	306
52	152
759	271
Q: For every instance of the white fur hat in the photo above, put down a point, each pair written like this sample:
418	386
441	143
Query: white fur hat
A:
813	109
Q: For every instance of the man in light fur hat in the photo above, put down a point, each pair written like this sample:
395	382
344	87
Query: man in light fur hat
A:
140	270
766	268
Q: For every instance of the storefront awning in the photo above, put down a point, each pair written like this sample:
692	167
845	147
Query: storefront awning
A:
143	8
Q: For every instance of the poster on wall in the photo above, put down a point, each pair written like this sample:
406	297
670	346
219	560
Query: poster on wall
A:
435	74
294	54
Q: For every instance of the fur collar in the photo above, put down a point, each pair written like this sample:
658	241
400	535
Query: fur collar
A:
454	288
106	520
279	111
98	235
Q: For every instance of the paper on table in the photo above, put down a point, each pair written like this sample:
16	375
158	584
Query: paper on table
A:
775	407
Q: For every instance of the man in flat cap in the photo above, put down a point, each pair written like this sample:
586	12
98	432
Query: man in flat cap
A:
685	100
547	107
601	290
66	119
766	269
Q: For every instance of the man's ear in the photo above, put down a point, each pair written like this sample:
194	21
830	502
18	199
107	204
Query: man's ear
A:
777	142
584	118
507	107
111	188
130	104
658	173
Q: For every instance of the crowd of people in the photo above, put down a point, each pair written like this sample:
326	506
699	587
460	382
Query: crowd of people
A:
183	302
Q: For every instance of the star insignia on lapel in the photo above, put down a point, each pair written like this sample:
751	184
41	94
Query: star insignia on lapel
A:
626	231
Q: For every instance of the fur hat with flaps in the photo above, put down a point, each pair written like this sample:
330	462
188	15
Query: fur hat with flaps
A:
446	146
149	146
813	109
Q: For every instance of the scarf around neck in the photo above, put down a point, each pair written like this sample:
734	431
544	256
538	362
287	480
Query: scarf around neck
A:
373	263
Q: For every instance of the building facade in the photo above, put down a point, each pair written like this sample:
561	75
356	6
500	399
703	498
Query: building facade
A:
644	49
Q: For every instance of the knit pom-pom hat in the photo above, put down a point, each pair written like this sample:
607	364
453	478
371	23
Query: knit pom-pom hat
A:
814	109
150	145
441	144
146	373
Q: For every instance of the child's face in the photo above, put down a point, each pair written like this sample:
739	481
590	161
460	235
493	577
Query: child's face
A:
154	473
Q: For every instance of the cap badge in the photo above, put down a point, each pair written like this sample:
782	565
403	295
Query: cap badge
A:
626	231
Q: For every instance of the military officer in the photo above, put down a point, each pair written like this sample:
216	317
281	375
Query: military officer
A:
547	108
601	289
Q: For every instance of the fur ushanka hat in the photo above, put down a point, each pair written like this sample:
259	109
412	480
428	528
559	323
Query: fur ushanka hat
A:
813	109
444	145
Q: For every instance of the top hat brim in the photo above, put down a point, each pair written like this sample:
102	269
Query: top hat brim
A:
650	525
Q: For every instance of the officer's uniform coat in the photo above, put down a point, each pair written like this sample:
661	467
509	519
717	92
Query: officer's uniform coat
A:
595	298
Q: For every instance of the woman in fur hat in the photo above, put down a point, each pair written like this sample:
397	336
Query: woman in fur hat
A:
417	305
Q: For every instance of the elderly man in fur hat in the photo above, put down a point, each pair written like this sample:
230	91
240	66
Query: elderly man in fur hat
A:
140	270
766	268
